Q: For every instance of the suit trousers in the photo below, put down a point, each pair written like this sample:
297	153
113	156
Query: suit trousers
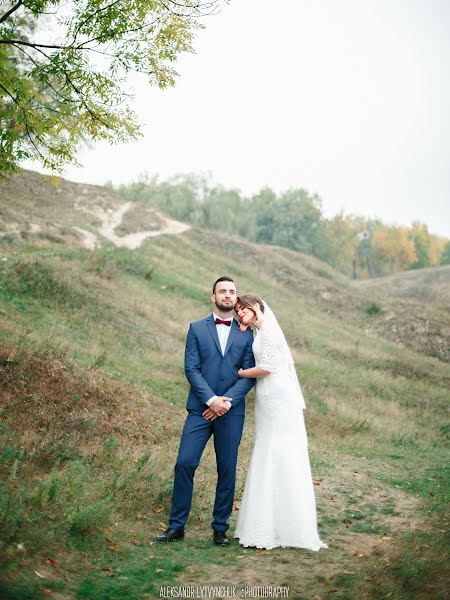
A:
227	432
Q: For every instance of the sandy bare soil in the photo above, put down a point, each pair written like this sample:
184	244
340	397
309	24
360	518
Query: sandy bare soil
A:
110	219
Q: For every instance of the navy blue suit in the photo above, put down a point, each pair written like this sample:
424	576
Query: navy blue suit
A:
212	374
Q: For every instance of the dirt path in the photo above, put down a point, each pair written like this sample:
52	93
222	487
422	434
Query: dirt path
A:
111	219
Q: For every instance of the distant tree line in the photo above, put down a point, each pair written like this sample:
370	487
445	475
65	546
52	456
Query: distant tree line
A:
355	245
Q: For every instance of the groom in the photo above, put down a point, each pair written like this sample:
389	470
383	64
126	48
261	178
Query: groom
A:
215	350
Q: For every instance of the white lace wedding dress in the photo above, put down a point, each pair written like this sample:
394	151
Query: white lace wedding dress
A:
278	505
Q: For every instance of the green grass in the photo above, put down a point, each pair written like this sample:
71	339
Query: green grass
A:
93	393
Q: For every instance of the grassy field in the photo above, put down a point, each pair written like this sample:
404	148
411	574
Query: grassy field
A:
92	403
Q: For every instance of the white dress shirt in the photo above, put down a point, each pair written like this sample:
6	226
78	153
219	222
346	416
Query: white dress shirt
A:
223	331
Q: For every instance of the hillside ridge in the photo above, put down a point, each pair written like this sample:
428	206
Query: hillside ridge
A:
105	210
42	216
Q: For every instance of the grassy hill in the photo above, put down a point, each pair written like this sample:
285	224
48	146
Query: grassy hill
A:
92	403
427	286
416	305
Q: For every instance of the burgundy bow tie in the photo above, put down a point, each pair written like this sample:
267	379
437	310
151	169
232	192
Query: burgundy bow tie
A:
222	322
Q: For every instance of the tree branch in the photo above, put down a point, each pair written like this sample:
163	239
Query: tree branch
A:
83	101
91	16
10	12
46	80
27	55
34	45
11	96
42	157
82	46
26	124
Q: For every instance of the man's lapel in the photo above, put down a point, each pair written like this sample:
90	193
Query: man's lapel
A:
233	334
213	330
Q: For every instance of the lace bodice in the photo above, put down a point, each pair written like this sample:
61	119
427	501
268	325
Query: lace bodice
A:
272	354
268	349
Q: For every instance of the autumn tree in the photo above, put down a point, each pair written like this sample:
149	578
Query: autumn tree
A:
343	235
64	66
445	255
423	245
394	247
437	245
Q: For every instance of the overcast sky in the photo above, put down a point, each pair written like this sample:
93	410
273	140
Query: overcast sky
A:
349	99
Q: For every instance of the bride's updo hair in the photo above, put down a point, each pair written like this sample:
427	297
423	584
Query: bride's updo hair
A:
249	301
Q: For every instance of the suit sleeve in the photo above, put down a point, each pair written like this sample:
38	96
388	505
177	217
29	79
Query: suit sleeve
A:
243	385
192	368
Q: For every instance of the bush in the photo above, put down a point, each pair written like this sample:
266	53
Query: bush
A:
39	281
373	309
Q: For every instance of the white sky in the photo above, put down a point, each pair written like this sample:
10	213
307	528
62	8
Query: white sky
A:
349	99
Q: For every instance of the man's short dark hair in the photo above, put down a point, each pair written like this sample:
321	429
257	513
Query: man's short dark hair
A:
219	280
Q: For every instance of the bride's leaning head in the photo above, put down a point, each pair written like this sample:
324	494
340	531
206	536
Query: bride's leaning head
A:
250	310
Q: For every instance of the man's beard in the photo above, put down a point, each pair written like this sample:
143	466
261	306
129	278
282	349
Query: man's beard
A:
225	307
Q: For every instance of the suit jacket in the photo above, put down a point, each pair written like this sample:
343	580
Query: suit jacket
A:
212	374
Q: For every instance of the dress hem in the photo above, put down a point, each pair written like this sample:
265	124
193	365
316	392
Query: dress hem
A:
268	546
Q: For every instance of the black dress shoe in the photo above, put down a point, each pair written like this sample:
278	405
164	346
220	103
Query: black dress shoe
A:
170	535
220	538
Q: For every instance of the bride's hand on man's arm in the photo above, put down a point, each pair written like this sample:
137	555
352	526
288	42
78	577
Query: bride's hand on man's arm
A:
253	373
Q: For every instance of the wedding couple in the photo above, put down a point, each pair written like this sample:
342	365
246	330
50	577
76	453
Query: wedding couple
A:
222	363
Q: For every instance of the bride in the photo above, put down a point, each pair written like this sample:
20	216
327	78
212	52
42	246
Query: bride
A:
278	505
